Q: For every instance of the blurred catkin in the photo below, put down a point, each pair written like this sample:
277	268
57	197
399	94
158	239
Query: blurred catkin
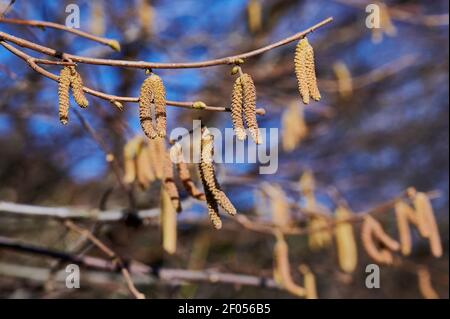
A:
254	16
168	223
282	269
293	127
236	110
169	182
425	285
427	223
404	215
344	79
309	282
63	95
371	233
176	154
345	240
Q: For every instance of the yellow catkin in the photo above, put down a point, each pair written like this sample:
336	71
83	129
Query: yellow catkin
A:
169	182
146	16
309	282
145	108
425	285
159	99
249	99
427	222
345	240
156	151
318	234
130	151
76	83
236	110
344	79
97	25
404	215
176	154
278	203
145	174
307	186
282	266
207	172
305	71
254	15
168	223
371	233
63	95
293	127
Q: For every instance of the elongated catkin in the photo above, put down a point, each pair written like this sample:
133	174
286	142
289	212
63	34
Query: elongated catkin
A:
344	79
168	223
236	110
169	182
76	83
425	285
372	232
156	151
282	266
146	97
345	240
305	71
318	234
144	173
278	203
159	99
207	172
309	282
129	151
176	154
213	210
63	95
249	99
404	215
425	216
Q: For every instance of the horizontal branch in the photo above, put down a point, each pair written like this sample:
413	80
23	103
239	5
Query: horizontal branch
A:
33	63
136	268
151	65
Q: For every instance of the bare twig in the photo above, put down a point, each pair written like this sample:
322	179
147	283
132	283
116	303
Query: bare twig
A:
150	65
134	267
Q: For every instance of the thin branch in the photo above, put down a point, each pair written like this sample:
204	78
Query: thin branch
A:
108	252
45	24
165	274
32	62
151	65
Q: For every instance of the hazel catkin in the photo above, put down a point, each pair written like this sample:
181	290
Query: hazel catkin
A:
214	194
249	102
63	95
236	110
153	91
76	83
305	71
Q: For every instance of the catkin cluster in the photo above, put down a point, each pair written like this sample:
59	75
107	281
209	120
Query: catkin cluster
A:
372	235
243	107
214	195
153	92
69	78
305	71
422	216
